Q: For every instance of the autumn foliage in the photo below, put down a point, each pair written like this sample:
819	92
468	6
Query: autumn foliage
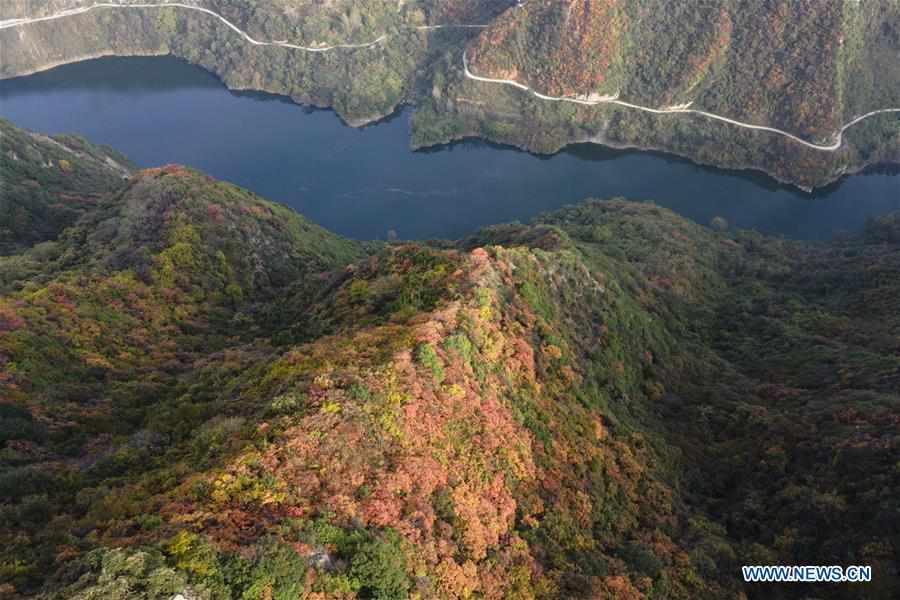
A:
205	394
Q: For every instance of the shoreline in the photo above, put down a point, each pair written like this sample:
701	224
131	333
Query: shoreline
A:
84	58
358	122
373	120
683	109
680	109
598	140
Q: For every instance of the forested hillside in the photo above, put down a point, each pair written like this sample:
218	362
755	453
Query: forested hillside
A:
776	63
48	182
362	84
803	67
203	393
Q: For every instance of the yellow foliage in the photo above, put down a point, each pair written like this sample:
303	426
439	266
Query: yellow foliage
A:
183	547
493	346
454	391
96	361
331	408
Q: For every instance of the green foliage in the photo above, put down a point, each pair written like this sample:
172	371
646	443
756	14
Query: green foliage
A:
120	574
640	558
278	574
167	21
359	291
532	294
285	404
48	183
428	358
460	345
424	274
192	554
592	384
379	566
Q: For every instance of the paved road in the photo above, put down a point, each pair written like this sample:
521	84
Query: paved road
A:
837	138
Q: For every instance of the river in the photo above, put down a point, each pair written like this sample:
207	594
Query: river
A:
365	183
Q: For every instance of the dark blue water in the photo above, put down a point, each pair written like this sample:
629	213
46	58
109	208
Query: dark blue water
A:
363	183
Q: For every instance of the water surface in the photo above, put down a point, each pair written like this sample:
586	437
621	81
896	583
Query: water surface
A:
364	183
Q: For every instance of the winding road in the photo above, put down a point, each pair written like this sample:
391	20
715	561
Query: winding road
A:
683	109
97	5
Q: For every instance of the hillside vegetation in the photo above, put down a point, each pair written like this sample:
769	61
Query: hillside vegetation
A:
775	63
806	67
48	182
203	393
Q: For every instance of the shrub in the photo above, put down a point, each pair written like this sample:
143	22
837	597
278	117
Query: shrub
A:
379	567
193	554
279	574
428	358
129	575
359	291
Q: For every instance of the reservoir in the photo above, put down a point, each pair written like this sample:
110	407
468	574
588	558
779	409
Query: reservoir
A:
364	183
